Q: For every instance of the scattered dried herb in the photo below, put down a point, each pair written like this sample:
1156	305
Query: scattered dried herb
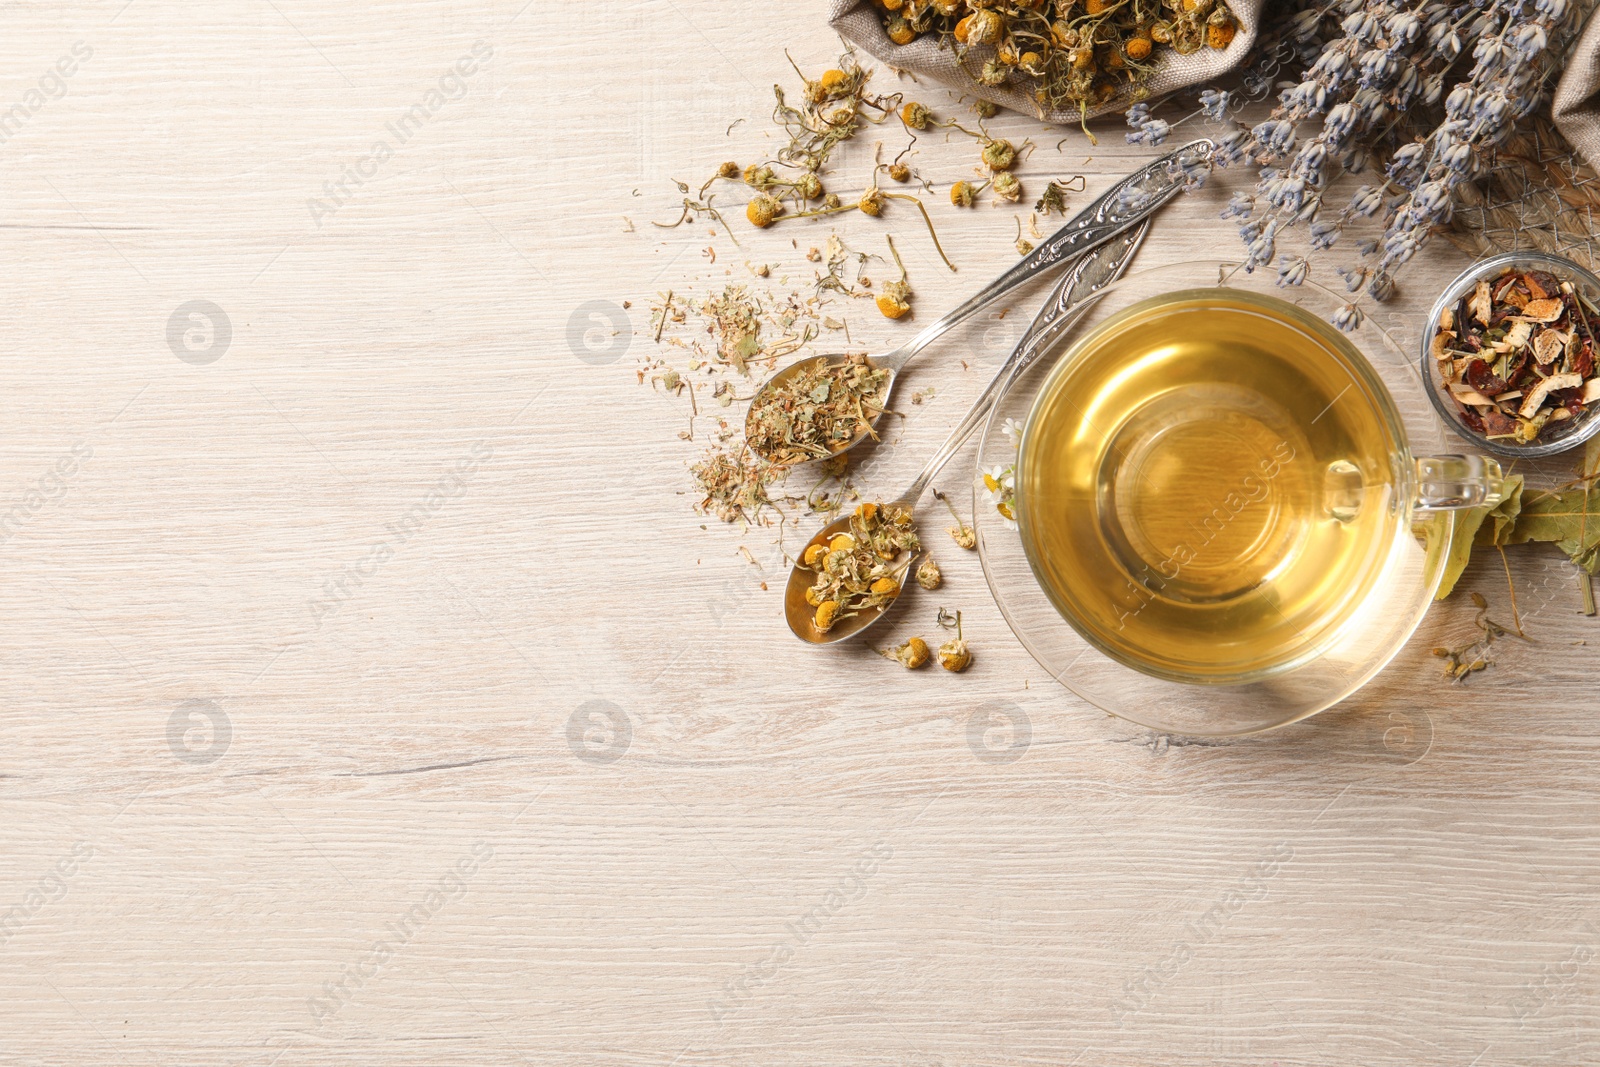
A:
860	570
734	483
1054	199
1518	354
817	409
1472	657
929	576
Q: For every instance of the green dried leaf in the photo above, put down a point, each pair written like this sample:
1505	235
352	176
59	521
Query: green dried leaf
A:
1467	524
1570	520
1502	518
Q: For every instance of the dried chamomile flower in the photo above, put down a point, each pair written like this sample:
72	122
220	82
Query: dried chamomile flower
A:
759	176
762	210
831	85
912	654
999	154
985	109
728	170
916	116
1006	187
872	202
900	172
900	30
809	186
1219	35
962	194
895	300
984	26
954	655
929	576
831	200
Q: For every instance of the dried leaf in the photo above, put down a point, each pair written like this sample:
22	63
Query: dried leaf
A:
1570	520
1469	529
1502	518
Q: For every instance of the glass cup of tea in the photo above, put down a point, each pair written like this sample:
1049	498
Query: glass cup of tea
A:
1205	509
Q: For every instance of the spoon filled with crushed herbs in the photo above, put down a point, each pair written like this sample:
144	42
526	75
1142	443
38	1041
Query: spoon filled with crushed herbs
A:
825	405
854	568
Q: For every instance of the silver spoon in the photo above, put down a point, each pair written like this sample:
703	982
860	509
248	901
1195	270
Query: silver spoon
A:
1119	208
1094	270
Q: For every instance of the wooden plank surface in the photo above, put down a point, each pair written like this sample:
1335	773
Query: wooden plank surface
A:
374	694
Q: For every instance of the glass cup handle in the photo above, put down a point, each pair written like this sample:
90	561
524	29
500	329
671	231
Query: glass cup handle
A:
1448	483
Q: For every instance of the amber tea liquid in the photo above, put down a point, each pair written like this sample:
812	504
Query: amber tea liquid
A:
1205	487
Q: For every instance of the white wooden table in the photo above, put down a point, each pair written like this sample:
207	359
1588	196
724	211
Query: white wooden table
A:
314	623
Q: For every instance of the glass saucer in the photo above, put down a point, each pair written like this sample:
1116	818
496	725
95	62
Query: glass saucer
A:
1171	701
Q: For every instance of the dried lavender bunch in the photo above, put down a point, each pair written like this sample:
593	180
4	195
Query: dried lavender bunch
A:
1391	85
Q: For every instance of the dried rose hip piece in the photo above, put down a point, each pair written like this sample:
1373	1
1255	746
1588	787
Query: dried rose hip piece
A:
1484	380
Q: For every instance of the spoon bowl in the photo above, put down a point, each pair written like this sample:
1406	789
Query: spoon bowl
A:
891	362
801	615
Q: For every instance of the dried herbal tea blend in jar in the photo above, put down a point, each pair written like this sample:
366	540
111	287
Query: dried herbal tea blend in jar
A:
861	570
1518	354
818	410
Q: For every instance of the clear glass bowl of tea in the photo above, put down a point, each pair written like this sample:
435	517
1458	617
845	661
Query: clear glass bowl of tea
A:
1206	510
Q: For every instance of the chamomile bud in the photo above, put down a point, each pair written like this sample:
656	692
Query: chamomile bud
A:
999	155
762	210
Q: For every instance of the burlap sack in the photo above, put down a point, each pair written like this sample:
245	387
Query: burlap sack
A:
1576	104
858	21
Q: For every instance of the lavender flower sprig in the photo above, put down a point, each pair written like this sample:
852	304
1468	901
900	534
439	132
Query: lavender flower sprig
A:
1390	84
